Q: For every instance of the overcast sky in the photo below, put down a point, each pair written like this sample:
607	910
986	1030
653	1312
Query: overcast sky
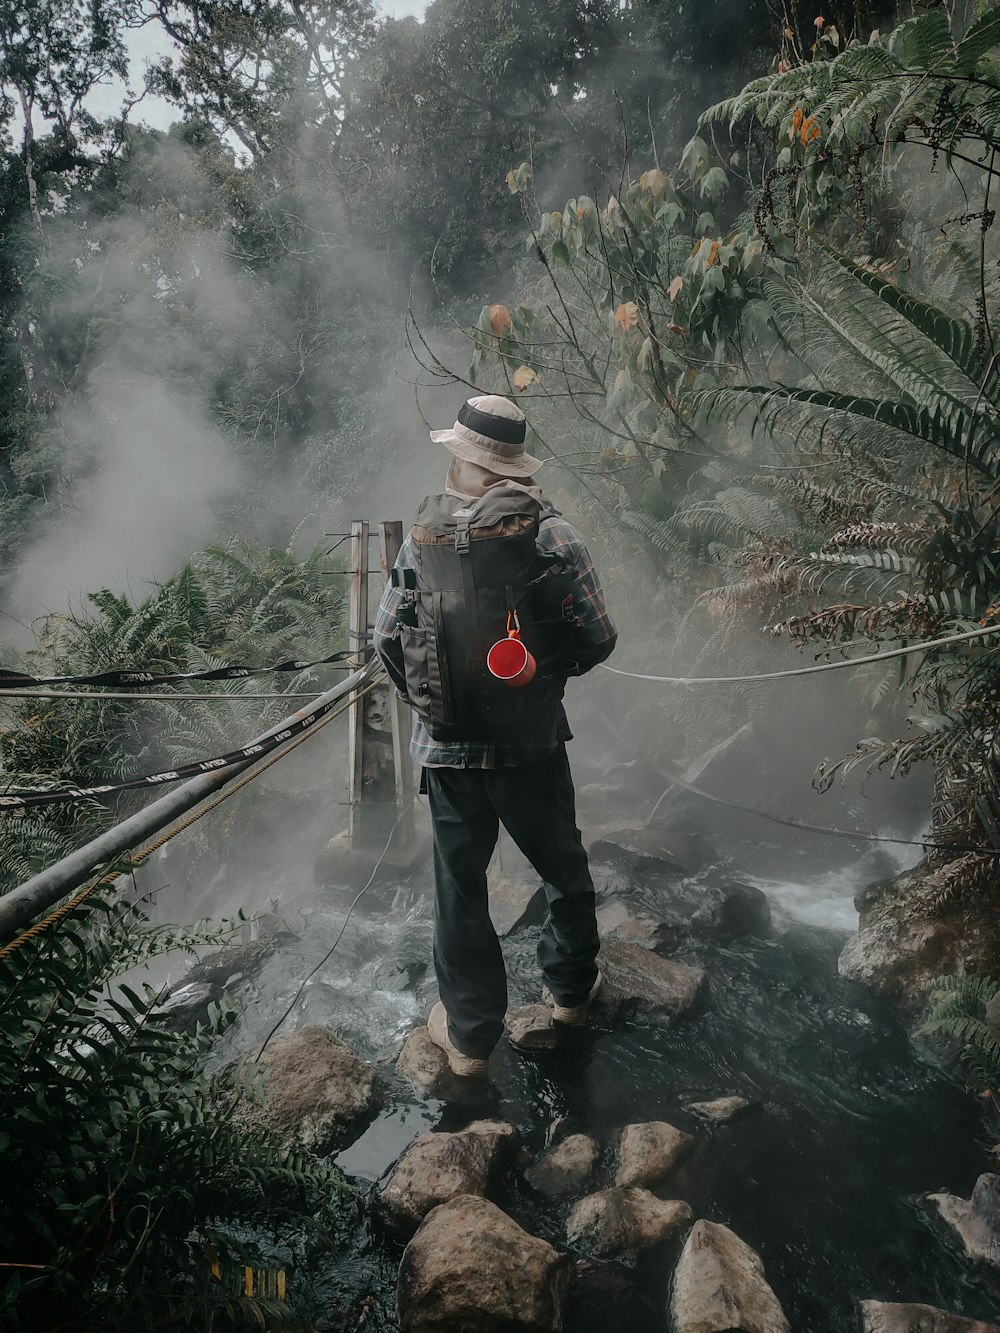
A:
150	42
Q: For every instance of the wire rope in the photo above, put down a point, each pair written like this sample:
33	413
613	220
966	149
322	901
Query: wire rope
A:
144	853
810	670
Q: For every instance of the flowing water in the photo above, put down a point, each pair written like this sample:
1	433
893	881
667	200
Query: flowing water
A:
822	1177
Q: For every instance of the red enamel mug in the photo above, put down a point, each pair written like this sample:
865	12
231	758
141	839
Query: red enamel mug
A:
509	660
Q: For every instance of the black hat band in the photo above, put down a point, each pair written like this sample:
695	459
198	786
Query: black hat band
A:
501	429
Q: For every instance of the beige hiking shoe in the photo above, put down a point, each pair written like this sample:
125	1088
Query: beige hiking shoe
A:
462	1066
573	1015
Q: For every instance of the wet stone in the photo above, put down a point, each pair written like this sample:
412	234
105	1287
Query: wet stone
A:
440	1166
650	848
232	964
621	1223
731	911
888	1317
719	1286
471	1267
187	1005
564	1169
649	1152
397	974
976	1220
532	1028
319	1094
721	1109
637	978
619	920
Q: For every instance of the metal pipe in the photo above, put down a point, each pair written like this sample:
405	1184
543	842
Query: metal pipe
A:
28	900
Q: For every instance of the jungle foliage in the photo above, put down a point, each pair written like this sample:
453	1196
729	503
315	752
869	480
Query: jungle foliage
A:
777	343
232	605
965	1013
134	1184
799	408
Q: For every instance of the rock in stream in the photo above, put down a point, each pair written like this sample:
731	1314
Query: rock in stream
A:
318	1093
620	1223
889	1317
976	1220
440	1166
471	1269
649	1152
720	1287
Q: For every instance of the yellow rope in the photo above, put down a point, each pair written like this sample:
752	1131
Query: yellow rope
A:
65	908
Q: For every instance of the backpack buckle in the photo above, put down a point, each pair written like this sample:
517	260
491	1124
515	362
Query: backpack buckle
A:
462	539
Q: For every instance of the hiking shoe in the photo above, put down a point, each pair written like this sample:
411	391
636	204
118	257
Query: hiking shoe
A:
573	1015
462	1066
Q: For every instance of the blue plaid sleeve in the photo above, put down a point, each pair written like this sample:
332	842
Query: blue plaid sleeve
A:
596	634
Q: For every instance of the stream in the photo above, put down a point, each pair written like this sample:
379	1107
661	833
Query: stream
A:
822	1177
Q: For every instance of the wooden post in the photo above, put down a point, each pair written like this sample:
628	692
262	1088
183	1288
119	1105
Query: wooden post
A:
357	641
401	720
381	771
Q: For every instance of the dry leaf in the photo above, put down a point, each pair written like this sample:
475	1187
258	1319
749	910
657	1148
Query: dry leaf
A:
819	21
626	315
713	255
679	329
654	181
524	376
619	381
512	181
499	319
810	130
674	290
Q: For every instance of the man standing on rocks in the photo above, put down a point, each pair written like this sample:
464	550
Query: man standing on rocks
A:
494	602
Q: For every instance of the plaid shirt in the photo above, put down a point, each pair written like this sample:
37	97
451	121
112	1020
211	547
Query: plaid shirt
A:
595	640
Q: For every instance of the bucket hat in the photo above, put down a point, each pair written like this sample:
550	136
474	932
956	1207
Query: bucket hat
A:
490	431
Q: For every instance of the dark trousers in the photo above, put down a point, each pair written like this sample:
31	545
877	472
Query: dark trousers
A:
536	805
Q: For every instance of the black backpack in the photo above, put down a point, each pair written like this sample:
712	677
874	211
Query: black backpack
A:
475	563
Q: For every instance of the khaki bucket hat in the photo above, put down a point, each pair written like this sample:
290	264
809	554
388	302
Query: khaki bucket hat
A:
490	431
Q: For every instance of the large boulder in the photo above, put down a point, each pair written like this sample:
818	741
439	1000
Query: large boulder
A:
318	1094
923	924
470	1267
732	910
621	1223
649	1152
976	1220
888	1317
719	1286
636	978
439	1166
564	1169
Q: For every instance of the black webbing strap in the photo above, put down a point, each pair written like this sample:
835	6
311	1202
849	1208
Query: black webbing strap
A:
476	645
